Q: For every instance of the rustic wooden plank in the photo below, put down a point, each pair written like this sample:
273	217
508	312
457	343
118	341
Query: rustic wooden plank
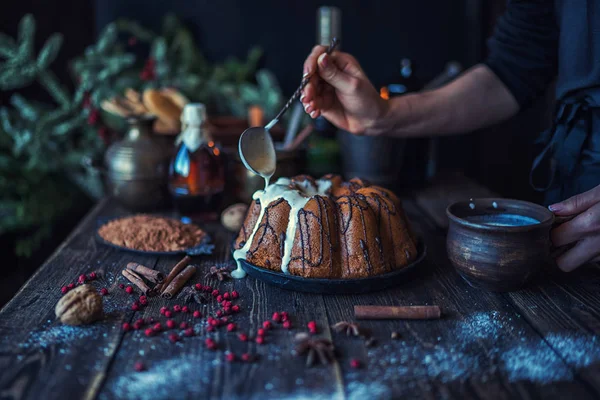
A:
565	309
188	369
40	357
473	352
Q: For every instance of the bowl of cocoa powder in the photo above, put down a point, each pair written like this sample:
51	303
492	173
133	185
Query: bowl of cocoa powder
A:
153	234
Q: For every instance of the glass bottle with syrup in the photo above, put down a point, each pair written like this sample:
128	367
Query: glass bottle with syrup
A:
197	172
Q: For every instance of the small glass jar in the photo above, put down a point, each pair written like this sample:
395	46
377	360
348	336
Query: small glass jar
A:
197	172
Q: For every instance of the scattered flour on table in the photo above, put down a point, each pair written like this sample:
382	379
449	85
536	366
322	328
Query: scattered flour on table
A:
178	378
61	335
479	347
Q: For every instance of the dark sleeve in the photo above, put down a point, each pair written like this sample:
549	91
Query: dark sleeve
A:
523	51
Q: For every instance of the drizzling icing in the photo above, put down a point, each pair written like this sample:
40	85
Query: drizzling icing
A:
296	196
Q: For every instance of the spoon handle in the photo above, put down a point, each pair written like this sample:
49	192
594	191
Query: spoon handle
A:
334	43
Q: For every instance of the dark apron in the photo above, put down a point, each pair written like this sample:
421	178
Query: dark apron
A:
569	162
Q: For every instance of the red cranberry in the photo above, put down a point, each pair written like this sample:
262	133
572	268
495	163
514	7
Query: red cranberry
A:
64	289
284	316
246	357
287	325
129	289
354	363
210	328
230	357
92	276
157	327
149	332
198	286
197	314
312	327
121	286
140	321
189	332
70	286
137	326
276	317
224	320
93	117
143	301
235	308
214	322
210	344
267	325
231	327
163	310
261	332
219	298
135	306
176	308
234	295
104	291
243	337
226	310
226	295
219	313
168	314
208	289
126	327
259	340
183	325
139	366
173	337
185	309
82	278
215	293
170	324
227	304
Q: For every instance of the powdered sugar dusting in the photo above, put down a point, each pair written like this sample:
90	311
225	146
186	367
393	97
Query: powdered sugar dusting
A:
61	335
481	347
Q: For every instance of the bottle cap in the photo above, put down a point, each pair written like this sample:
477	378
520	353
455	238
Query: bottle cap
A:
193	114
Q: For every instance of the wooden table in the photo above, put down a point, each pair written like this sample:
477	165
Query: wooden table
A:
537	342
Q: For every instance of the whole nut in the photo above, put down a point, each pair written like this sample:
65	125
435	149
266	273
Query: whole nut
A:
233	216
82	305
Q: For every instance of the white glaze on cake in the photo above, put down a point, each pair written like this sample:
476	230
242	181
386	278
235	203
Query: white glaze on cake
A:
297	197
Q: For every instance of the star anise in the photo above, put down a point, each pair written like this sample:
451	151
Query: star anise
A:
316	349
189	294
220	273
351	328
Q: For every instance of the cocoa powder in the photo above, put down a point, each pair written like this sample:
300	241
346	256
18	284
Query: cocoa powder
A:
151	233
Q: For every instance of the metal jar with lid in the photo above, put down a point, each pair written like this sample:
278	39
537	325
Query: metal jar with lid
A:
137	167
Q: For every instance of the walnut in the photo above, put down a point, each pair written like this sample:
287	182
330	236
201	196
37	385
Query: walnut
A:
82	305
233	216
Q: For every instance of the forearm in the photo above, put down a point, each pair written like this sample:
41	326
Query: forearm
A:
474	100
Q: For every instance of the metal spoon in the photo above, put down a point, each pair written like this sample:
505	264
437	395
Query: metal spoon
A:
256	148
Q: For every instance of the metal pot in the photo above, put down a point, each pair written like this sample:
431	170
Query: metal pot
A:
377	159
137	167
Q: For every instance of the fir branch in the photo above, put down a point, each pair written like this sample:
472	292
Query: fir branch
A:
135	29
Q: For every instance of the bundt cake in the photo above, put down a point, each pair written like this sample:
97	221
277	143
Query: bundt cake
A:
325	228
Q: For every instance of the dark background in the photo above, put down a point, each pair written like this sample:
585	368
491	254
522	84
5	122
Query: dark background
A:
378	33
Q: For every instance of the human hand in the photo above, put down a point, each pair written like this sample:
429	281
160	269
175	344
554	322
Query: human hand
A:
583	231
341	92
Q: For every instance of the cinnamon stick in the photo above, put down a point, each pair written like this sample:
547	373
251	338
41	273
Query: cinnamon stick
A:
397	312
178	282
137	281
152	275
176	270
